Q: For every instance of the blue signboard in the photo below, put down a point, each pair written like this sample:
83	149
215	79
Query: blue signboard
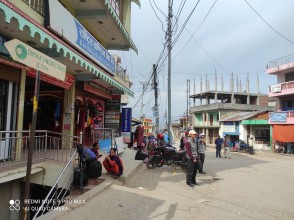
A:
86	41
126	119
278	116
126	124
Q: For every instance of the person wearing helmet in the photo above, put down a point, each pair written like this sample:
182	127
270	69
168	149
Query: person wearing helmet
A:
160	140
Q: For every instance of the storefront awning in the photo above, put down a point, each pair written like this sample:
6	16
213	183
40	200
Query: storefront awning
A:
54	43
283	133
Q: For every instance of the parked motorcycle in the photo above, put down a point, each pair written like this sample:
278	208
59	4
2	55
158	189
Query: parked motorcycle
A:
167	155
245	148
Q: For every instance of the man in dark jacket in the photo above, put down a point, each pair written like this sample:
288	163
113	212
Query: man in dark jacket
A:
218	145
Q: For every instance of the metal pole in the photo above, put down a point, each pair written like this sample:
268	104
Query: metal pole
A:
169	68
32	143
156	97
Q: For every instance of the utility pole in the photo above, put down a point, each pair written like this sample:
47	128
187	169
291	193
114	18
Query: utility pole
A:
188	104
169	45
156	109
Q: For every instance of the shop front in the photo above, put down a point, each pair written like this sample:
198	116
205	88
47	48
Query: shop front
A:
9	84
52	103
90	105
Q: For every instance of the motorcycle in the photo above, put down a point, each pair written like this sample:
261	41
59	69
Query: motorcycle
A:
245	148
167	155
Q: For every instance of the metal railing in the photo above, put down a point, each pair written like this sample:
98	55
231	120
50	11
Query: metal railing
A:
14	146
55	197
281	61
103	134
121	73
37	5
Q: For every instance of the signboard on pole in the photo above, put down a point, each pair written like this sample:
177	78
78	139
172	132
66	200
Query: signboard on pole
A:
33	58
126	120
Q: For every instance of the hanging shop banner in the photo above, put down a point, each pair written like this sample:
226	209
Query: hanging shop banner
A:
31	57
126	122
66	84
63	23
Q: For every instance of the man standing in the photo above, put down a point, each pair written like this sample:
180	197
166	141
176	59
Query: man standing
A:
201	145
191	154
227	144
218	145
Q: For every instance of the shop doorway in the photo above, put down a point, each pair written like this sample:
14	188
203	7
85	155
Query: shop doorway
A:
49	113
8	98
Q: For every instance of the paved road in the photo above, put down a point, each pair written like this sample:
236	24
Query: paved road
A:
245	187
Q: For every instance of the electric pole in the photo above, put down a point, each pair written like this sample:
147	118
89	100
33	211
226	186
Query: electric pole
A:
156	109
188	104
169	45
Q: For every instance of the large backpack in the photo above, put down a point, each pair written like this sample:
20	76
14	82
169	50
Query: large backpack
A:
94	168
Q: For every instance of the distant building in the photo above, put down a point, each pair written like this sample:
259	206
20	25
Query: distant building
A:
216	106
283	118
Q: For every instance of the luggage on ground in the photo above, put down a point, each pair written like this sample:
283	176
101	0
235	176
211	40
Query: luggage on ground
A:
94	168
80	178
141	155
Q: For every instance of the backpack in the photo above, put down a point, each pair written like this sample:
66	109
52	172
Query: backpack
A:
88	154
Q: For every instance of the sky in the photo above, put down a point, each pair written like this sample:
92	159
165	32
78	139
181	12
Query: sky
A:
221	36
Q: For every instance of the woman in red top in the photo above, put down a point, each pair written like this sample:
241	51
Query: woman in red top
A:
113	164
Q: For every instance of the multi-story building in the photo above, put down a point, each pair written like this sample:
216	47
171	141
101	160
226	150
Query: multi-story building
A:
283	118
73	37
206	116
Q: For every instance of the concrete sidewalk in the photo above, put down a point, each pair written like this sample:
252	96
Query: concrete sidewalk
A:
130	165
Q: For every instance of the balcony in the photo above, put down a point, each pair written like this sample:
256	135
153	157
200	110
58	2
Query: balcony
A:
283	64
283	117
37	5
282	89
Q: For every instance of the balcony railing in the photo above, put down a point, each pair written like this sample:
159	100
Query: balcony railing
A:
281	61
121	73
37	5
115	6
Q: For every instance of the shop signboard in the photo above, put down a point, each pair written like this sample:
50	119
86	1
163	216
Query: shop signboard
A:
63	23
31	57
278	116
276	88
66	84
229	127
126	120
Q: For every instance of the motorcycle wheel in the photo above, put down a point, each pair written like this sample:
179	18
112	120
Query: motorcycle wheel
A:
153	162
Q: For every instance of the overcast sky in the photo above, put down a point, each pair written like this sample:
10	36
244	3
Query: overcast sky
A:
232	38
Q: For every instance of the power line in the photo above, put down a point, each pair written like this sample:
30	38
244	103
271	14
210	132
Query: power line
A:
185	23
156	15
271	27
196	29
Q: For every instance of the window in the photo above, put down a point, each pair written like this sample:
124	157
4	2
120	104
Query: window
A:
289	77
